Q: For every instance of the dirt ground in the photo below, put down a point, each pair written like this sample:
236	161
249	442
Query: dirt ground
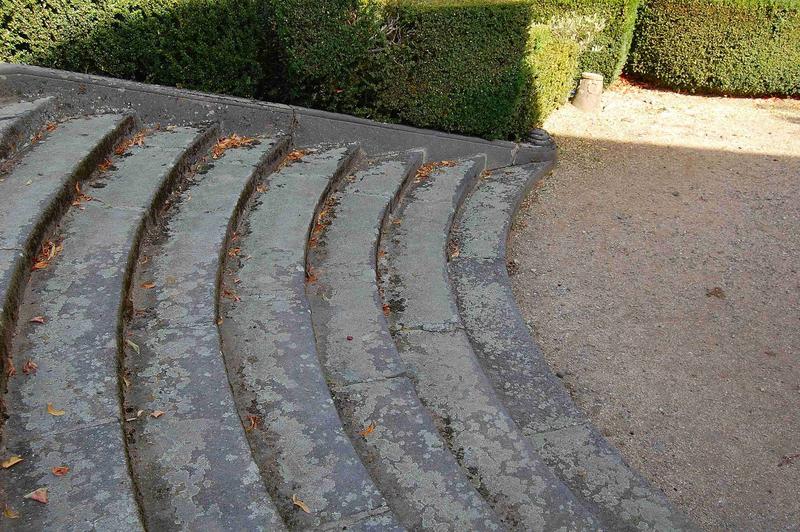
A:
659	268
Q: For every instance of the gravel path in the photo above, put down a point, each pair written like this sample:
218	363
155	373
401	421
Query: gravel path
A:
659	266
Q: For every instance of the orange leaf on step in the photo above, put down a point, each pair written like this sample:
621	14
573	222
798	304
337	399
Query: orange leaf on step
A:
39	495
300	504
156	414
148	285
37	319
60	471
53	411
30	367
11	461
369	429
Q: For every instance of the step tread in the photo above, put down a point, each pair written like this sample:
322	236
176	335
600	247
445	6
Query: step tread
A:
537	401
403	451
270	351
33	188
193	464
446	372
18	120
76	353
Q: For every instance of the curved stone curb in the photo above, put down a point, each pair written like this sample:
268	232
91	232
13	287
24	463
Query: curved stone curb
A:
270	351
537	401
391	430
189	454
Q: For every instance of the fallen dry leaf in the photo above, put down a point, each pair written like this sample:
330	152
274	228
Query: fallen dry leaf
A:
366	431
254	422
425	170
53	411
261	188
156	414
230	294
295	155
148	285
300	504
717	292
386	309
135	140
234	251
30	367
48	252
105	165
80	197
133	346
11	461
311	276
39	495
60	471
10	513
37	319
788	459
227	143
50	127
11	371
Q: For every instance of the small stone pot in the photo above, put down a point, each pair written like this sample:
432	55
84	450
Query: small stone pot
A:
590	91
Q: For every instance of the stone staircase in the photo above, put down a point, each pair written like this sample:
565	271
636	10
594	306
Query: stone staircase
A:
222	314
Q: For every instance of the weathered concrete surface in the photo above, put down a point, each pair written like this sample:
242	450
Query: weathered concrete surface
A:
446	374
395	436
193	465
36	190
78	295
269	346
537	402
18	122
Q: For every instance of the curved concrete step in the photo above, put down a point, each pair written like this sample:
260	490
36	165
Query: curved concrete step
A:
447	376
36	192
19	121
75	348
268	342
534	397
189	454
391	430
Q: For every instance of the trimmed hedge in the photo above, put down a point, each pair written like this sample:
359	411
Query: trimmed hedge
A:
603	30
480	67
737	47
491	68
210	45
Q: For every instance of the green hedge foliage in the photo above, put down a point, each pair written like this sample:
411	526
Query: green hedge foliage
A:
492	68
211	45
737	47
603	30
479	68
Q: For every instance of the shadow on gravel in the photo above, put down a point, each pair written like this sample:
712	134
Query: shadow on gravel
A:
663	284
